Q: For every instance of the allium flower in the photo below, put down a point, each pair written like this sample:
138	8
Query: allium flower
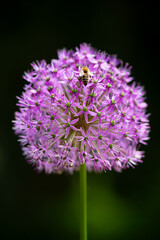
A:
82	108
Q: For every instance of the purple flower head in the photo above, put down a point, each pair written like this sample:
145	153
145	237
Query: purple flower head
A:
83	107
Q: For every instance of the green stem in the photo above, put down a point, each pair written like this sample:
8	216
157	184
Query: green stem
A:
83	202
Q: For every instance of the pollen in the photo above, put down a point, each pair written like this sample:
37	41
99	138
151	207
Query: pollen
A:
85	70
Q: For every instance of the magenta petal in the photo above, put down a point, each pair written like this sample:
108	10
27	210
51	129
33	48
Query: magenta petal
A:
63	120
67	132
74	121
79	113
74	128
86	117
79	138
82	131
92	113
93	120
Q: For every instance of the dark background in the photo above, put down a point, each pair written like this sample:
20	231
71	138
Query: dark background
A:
120	206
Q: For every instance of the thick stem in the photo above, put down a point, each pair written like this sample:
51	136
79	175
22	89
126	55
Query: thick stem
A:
83	202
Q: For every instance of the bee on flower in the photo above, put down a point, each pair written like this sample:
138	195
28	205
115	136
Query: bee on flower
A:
82	108
85	75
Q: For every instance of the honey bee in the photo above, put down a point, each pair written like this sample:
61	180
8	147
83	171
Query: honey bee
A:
84	75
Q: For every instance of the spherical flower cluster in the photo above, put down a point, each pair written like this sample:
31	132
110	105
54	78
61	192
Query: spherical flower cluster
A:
81	108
